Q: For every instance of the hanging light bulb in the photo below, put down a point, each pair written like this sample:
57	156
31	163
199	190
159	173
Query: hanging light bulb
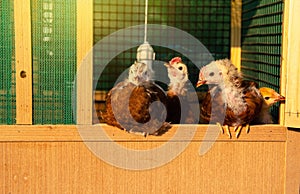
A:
145	52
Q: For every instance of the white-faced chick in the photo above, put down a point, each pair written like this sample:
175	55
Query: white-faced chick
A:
178	75
178	107
232	102
138	73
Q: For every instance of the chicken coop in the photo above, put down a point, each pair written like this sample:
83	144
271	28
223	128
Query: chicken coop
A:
59	59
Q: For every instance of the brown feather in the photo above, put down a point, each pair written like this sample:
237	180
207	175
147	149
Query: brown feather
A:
223	114
133	107
179	109
173	107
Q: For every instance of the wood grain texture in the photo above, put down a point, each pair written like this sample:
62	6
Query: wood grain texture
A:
292	162
71	133
84	62
290	80
54	159
283	69
236	30
69	167
23	54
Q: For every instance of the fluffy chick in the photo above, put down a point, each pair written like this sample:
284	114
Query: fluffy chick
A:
270	97
230	101
177	105
138	73
178	75
132	105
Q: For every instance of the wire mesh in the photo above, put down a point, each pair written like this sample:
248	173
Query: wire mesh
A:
54	60
54	45
207	20
7	64
261	43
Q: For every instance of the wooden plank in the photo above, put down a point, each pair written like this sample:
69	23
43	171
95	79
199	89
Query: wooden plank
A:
236	26
72	133
23	54
283	69
291	69
70	167
84	62
292	162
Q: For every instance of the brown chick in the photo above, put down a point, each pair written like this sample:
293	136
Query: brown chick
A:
270	97
230	101
137	104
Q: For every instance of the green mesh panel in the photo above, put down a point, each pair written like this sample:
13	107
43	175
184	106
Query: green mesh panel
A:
7	68
54	60
261	43
207	20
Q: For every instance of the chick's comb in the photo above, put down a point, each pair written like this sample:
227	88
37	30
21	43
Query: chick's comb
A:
175	60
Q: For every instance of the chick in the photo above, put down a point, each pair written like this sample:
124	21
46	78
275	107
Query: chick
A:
230	101
138	73
178	75
270	97
137	104
177	104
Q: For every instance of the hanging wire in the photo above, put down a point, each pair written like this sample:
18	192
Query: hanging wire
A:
146	20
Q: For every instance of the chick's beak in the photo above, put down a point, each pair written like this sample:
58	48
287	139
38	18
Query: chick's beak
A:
201	80
200	83
281	99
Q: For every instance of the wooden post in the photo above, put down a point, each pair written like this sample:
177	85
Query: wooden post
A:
283	60
292	175
84	61
22	21
290	71
236	25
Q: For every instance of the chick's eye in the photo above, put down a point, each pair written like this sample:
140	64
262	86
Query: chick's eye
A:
267	98
211	74
180	68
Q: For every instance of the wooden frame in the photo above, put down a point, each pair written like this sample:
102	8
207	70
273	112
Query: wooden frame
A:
290	80
49	133
22	17
55	158
283	77
23	45
84	84
236	25
292	175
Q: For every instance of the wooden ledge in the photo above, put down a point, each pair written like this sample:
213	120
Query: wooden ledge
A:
105	133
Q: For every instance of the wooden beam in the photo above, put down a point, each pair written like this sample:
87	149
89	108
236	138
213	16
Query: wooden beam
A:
23	54
236	26
283	68
290	80
84	62
71	167
50	133
292	162
55	157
